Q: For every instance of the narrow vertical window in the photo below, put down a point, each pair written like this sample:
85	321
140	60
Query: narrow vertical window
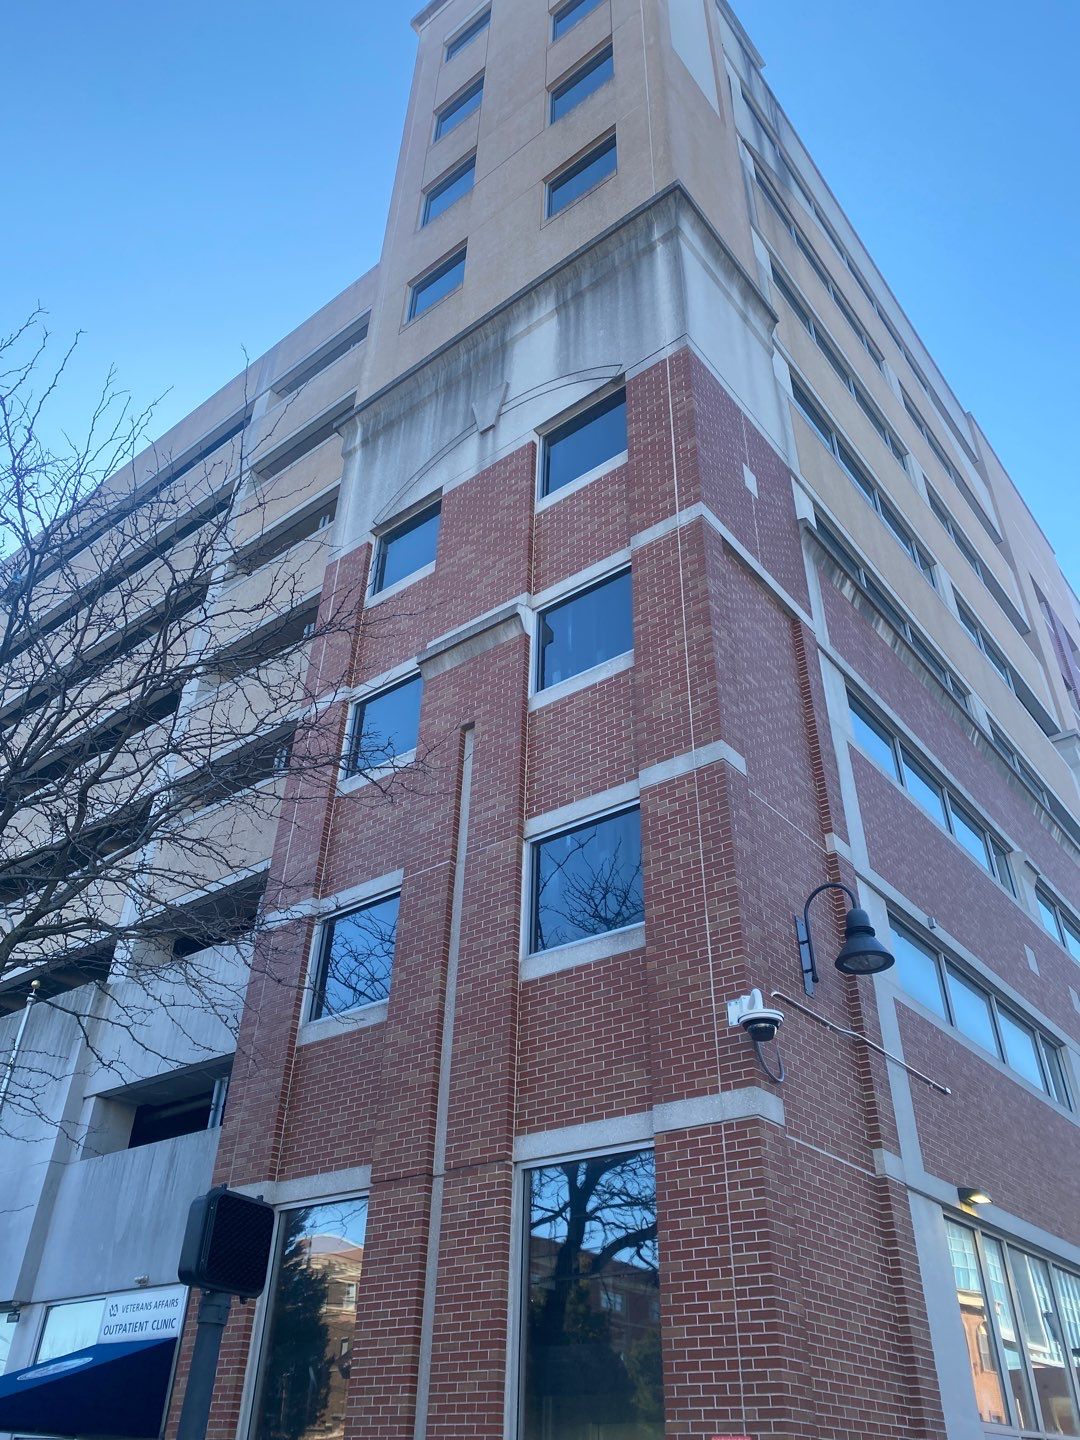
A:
971	1294
310	1322
592	1323
1042	1331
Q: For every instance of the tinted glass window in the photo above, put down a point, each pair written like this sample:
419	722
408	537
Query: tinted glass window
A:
1021	1051
1042	1338
582	176
462	38
451	116
385	726
918	973
584	443
434	287
407	548
1058	1088
971	1010
592	1330
1007	1329
1048	915
924	788
582	83
443	195
587	881
312	1316
585	630
873	738
971	1294
1072	939
567	16
970	835
356	957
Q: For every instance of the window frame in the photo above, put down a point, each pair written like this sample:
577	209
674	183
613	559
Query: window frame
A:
607	144
580	71
531	890
999	867
411	520
1064	920
562	421
567	9
945	966
1008	1244
456	106
419	287
442	184
466	34
349	769
322	939
537	685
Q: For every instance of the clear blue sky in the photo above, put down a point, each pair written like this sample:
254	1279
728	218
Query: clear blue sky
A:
184	180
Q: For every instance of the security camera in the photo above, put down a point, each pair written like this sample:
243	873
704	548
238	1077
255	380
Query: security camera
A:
761	1024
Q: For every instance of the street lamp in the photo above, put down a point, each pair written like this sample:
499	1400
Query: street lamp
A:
862	953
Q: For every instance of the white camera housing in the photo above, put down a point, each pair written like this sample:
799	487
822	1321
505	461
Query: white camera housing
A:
761	1023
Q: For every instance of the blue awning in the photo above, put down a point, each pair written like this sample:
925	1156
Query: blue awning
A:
105	1390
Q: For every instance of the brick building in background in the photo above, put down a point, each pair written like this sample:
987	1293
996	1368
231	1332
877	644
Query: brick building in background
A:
690	587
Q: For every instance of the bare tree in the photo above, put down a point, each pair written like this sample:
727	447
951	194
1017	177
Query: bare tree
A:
162	664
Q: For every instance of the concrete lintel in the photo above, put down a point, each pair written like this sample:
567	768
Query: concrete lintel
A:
468	641
308	1188
712	754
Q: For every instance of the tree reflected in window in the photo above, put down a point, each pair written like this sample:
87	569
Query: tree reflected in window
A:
592	1365
306	1360
356	958
587	881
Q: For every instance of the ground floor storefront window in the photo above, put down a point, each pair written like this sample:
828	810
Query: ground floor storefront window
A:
592	1367
306	1357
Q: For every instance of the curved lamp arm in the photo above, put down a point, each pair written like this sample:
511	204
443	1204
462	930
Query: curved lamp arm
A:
802	931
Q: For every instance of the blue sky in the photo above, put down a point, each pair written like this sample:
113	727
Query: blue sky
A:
194	179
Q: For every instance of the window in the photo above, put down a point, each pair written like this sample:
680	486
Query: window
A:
582	83
582	444
567	16
937	800
1057	921
930	438
407	547
348	339
888	610
984	643
862	478
591	1333
587	880
1022	1322
437	284
68	1327
585	630
923	973
450	116
452	187
1012	757
470	32
355	958
308	1338
384	727
582	176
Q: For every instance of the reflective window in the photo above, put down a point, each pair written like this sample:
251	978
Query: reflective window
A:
356	958
1021	1049
592	1328
1019	1386
971	1011
582	83
580	177
384	727
592	626
584	443
1043	1341
971	1294
69	1327
441	196
1068	1288
567	16
873	738
970	835
471	31
437	284
408	547
587	880
452	114
312	1316
917	972
922	786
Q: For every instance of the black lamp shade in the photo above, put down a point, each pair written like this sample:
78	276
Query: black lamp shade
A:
862	952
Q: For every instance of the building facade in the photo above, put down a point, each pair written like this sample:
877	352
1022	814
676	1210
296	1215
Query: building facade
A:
688	587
